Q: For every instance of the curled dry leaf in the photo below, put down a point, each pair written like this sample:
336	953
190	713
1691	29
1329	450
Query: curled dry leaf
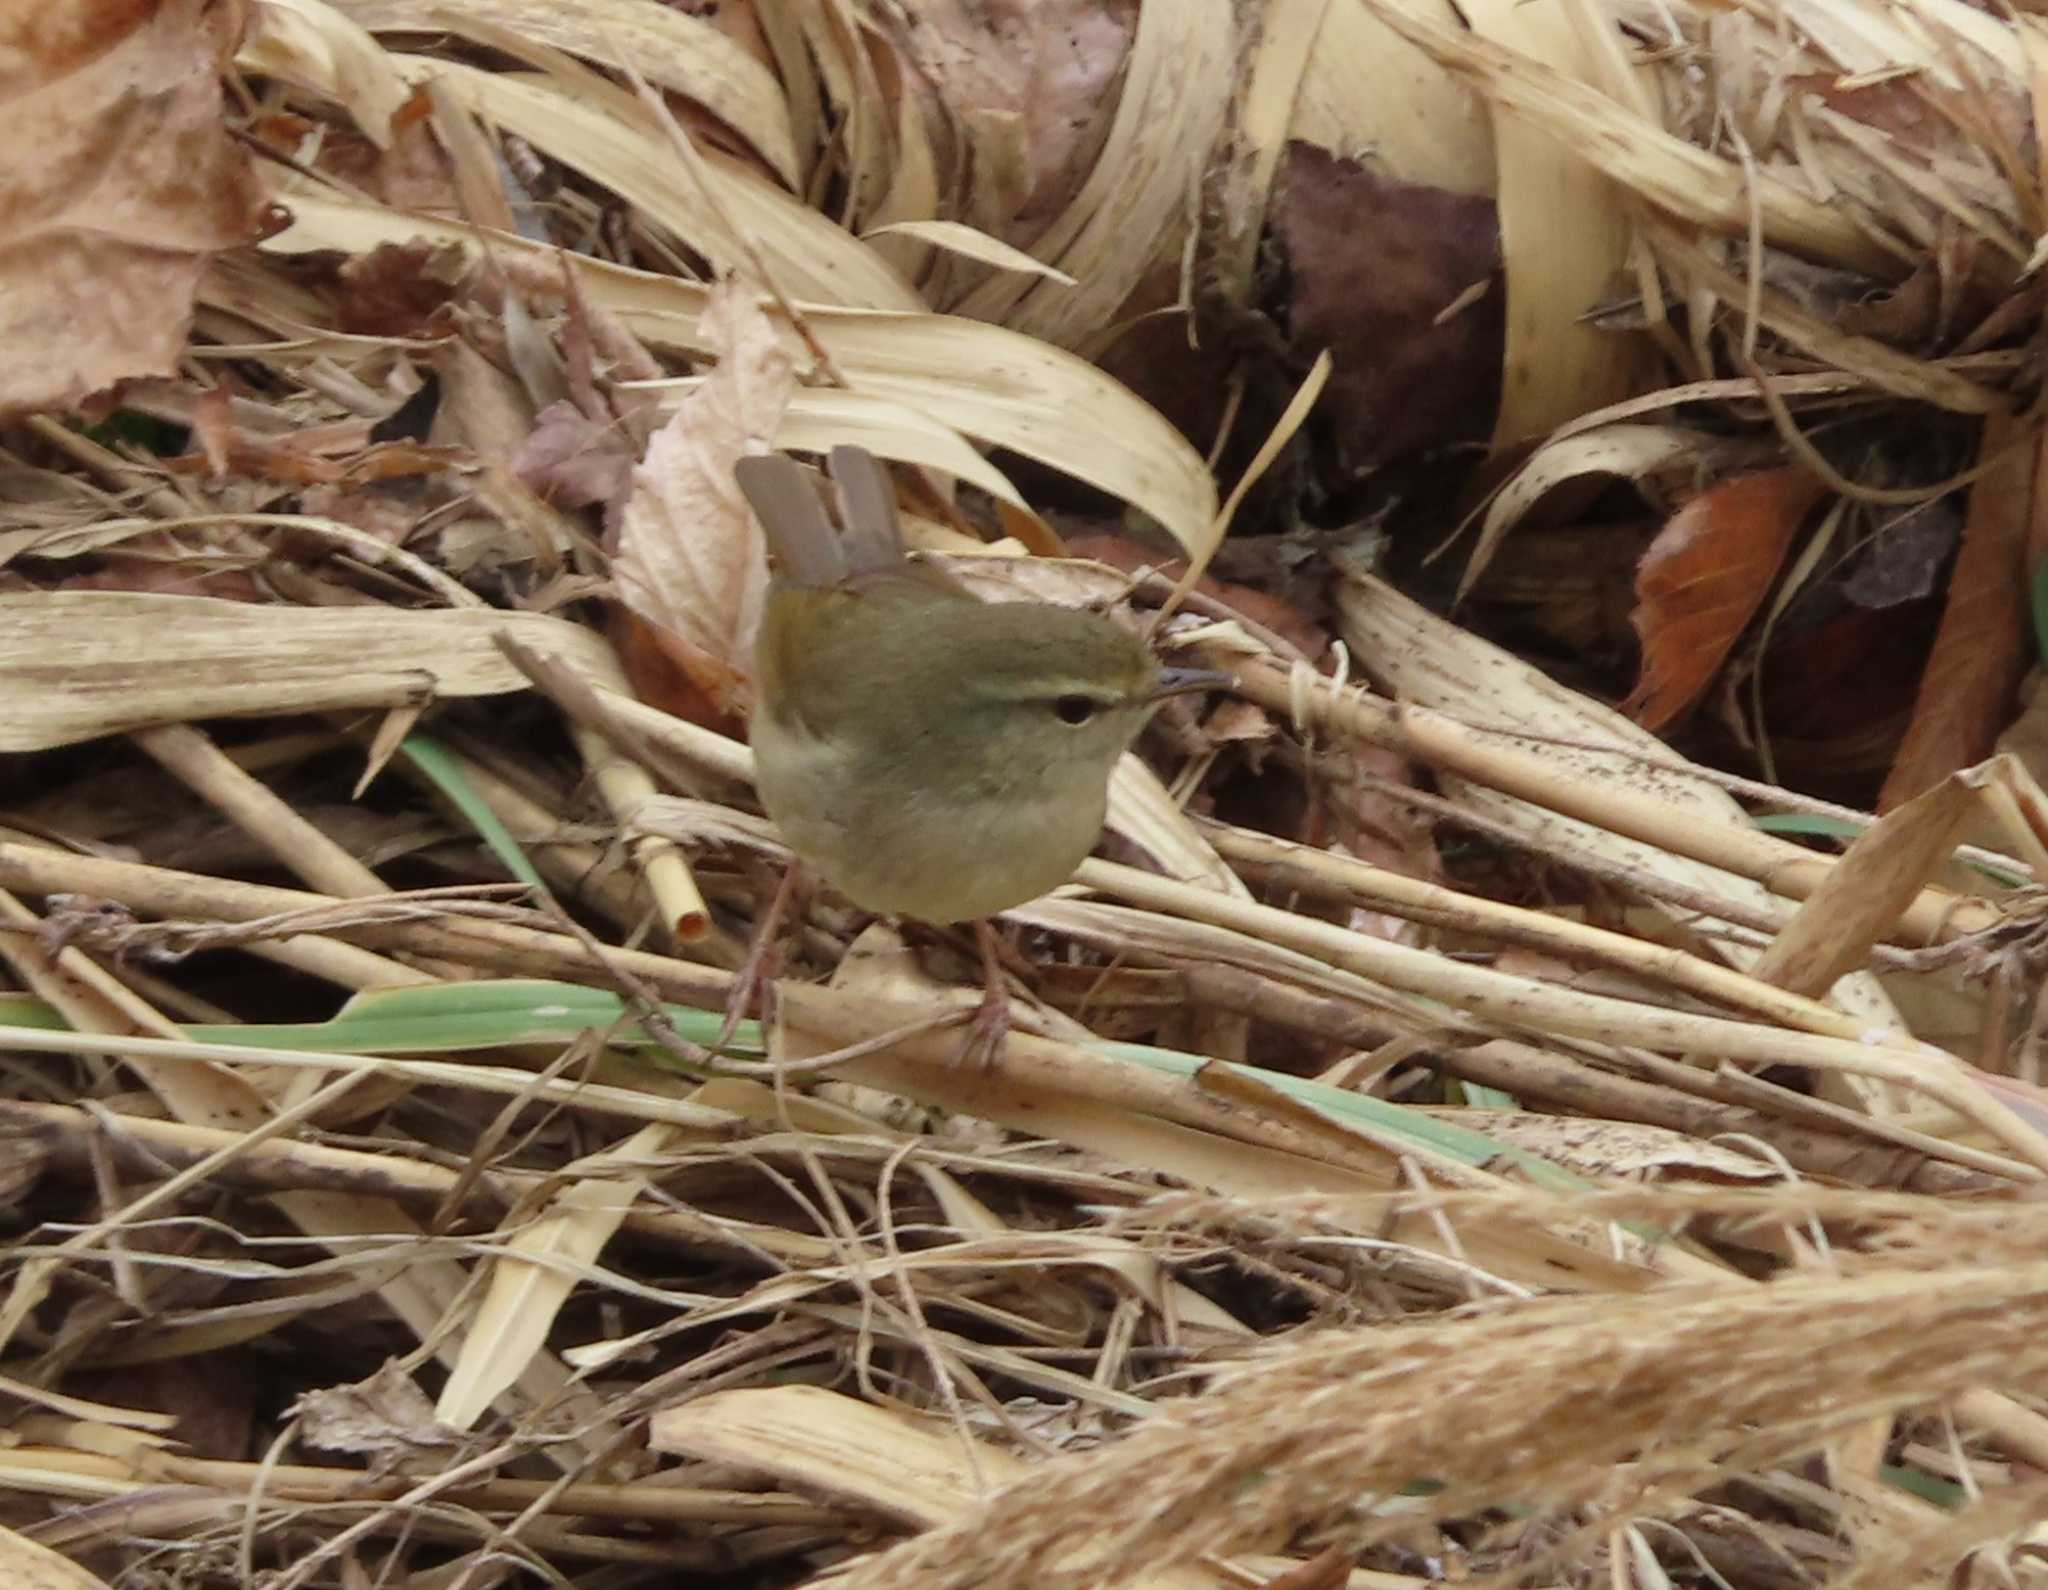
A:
1704	577
120	185
1625	451
691	564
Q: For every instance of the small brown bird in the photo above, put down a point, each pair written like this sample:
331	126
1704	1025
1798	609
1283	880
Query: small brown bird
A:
928	754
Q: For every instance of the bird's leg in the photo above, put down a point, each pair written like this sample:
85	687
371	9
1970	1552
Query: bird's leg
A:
989	1029
750	983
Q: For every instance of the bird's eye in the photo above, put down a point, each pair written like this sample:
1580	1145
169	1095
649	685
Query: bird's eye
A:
1075	710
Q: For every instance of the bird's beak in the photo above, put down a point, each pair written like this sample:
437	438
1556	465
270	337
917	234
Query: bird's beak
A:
1182	681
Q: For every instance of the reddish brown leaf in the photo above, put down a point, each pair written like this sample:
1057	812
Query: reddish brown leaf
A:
1702	580
1381	272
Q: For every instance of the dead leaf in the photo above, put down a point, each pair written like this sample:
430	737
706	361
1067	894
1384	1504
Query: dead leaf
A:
572	460
691	561
1966	693
386	1416
1860	900
1401	282
1702	580
120	186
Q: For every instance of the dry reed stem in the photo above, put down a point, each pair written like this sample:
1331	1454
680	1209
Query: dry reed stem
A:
1443	742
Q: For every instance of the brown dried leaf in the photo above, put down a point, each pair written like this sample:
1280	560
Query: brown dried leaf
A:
119	187
1864	894
572	460
1401	283
387	1416
691	561
1966	694
1703	579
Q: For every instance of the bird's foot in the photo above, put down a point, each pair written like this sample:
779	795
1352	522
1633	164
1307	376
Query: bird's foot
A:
753	983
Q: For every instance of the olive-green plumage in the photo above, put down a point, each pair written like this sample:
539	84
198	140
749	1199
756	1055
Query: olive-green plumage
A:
931	755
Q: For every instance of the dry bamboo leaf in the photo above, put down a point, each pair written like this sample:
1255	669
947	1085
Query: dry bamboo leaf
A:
1136	206
913	198
80	1408
1563	236
913	1470
1141	810
1289	33
917	1471
1859	901
518	1310
1883	367
1624	1149
974	244
422	1292
691	560
1629	451
25	1565
314	46
672	49
1860	39
1367	87
121	185
1642	158
1026	395
820	418
614	142
184	657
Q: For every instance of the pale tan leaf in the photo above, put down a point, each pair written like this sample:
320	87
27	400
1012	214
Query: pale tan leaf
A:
1026	395
518	1311
1137	203
1625	1149
1657	166
1367	87
1629	451
1563	236
820	418
611	139
24	1565
691	558
670	47
315	46
972	242
918	1471
1142	811
1859	901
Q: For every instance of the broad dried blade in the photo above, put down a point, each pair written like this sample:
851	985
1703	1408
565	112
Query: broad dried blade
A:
801	536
